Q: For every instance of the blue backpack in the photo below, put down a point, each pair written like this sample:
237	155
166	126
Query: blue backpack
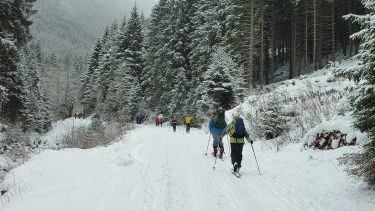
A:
239	129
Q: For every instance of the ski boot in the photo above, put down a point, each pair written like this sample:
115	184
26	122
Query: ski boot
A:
235	167
214	153
221	152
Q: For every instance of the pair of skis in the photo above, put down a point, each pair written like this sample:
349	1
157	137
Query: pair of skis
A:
235	173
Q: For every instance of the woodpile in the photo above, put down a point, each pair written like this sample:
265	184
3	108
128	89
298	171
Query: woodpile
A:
332	140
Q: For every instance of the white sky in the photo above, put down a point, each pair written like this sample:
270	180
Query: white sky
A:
144	5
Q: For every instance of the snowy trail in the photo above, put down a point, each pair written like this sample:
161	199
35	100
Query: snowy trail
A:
156	169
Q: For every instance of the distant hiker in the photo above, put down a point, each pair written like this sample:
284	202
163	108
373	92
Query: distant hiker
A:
157	121
237	132
217	125
161	119
138	119
187	122
174	122
75	115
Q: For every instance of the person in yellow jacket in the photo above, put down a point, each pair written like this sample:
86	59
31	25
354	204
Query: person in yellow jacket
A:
187	122
237	132
174	122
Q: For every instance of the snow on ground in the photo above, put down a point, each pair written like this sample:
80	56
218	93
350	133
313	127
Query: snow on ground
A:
62	128
155	169
59	130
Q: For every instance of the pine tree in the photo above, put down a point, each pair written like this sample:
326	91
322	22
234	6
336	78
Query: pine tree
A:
14	34
238	28
209	21
155	58
178	67
179	93
127	99
134	53
104	79
122	40
272	121
36	113
219	81
88	95
208	34
363	164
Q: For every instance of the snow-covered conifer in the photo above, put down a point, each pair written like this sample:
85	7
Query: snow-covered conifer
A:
272	122
363	164
219	80
134	52
88	95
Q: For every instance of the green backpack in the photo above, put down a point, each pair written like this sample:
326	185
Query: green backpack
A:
220	119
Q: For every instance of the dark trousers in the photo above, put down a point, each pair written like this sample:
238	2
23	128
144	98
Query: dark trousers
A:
187	127
236	153
174	126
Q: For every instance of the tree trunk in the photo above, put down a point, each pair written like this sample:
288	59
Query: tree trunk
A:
293	48
333	34
350	31
251	56
315	36
306	39
262	51
320	40
273	50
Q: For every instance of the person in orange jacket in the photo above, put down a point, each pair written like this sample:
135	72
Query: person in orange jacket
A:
157	121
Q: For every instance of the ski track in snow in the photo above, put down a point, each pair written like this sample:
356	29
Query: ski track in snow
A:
154	169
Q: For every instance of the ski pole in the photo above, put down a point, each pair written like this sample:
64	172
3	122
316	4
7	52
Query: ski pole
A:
228	143
208	143
255	159
214	163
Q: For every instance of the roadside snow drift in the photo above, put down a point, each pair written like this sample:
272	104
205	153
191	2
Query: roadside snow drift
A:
63	128
155	169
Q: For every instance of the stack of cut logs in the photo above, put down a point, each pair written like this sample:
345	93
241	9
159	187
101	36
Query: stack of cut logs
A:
324	140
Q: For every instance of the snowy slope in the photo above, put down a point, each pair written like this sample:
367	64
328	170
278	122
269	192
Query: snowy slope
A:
155	169
62	128
319	101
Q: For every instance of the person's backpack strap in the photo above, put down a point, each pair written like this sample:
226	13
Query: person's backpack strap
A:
230	129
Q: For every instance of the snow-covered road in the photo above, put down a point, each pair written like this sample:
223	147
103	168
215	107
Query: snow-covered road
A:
156	169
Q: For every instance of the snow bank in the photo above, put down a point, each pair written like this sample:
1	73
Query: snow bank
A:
341	123
62	128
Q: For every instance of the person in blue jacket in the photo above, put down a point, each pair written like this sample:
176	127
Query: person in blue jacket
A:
217	125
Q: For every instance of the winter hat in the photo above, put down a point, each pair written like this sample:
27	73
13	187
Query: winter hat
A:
235	116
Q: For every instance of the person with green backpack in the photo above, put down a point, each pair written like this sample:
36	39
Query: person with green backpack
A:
217	125
237	132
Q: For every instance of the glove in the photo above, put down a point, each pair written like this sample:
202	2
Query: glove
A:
250	141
